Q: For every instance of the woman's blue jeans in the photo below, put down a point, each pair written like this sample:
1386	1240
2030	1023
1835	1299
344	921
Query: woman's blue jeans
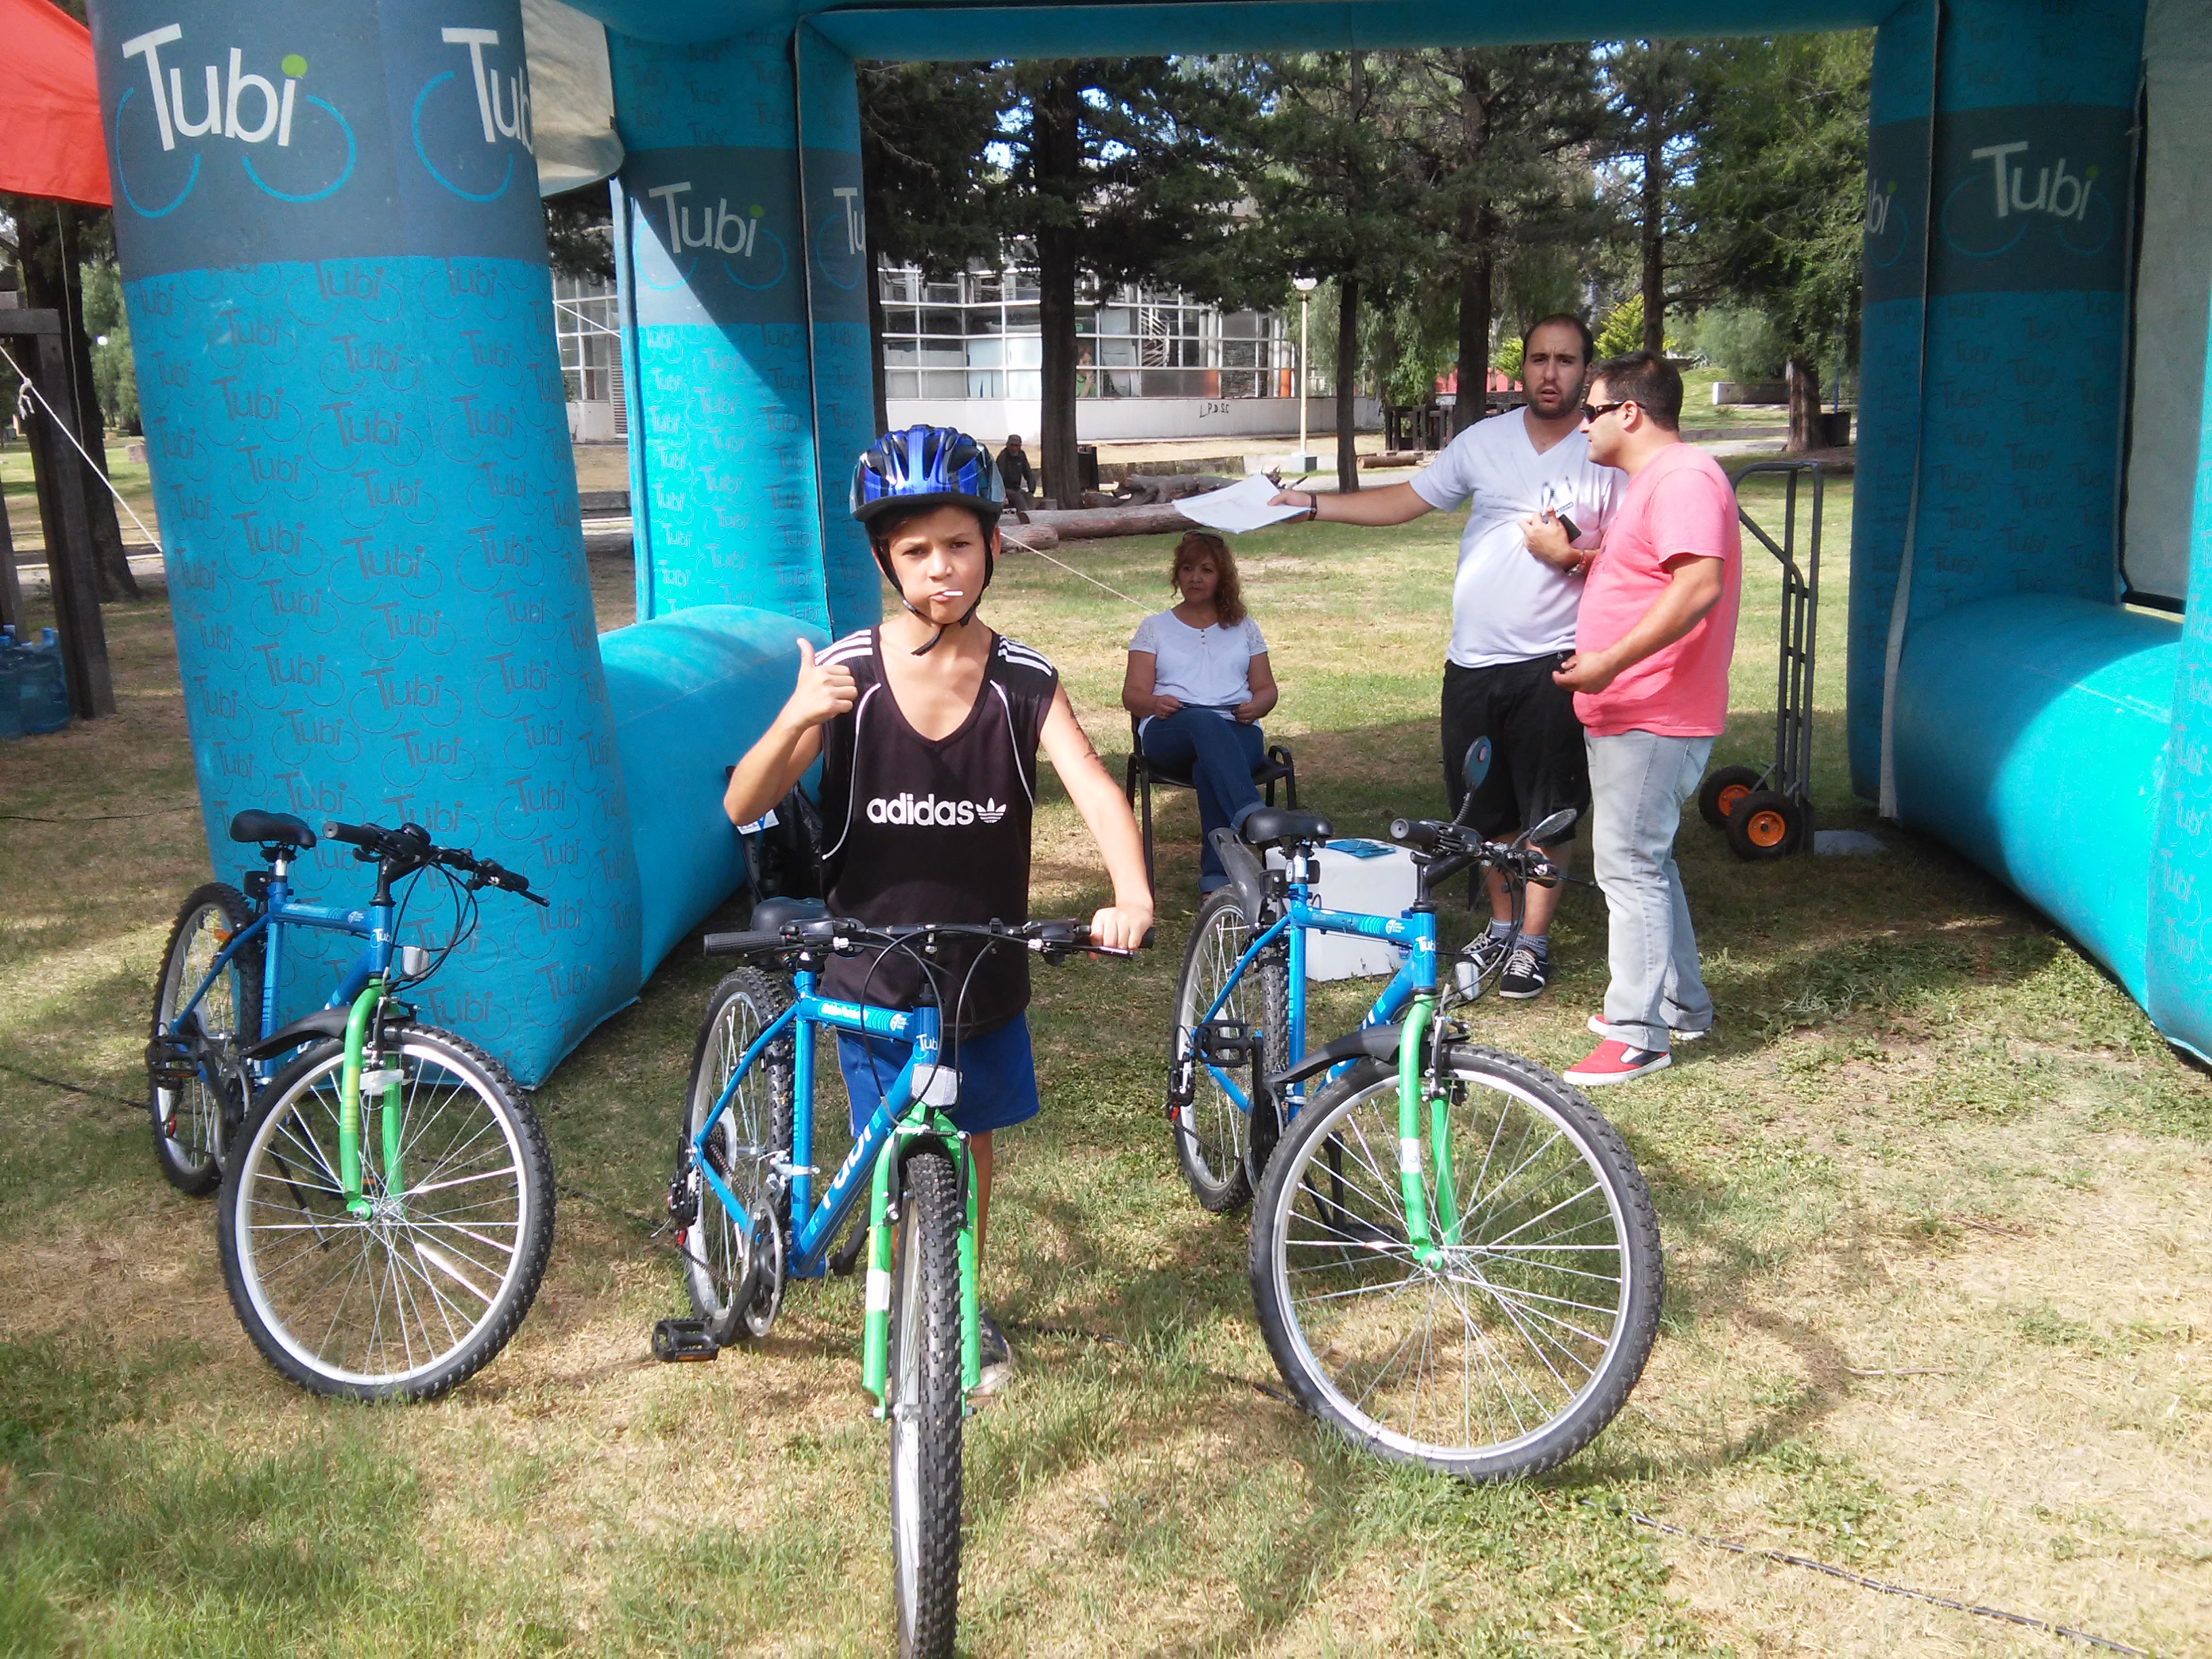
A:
1220	756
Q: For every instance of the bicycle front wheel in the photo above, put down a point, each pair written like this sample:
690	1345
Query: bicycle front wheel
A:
417	1292
735	1285
924	1402
1510	1350
192	1119
1220	1144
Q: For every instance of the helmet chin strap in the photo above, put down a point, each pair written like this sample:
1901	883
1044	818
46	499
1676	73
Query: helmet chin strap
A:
930	644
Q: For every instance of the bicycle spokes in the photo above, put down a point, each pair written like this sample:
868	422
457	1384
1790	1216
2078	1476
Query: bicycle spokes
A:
1458	1322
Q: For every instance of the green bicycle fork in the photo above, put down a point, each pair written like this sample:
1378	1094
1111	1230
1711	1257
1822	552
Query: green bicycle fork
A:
1412	1042
358	1019
875	1345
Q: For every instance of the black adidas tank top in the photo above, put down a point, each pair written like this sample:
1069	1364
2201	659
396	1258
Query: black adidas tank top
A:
920	831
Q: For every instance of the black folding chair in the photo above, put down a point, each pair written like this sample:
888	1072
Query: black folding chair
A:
1144	772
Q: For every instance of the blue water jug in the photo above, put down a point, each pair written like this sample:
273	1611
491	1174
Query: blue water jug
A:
11	683
43	695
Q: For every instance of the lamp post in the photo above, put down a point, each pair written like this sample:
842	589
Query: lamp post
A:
1305	286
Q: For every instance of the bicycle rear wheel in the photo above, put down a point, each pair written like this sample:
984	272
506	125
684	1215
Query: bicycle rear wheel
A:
1219	1143
419	1293
1519	1344
192	1121
924	1408
734	1286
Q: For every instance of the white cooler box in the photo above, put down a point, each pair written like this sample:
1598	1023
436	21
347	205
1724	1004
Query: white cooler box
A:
1372	876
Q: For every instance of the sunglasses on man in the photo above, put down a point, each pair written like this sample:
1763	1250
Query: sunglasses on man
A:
1599	411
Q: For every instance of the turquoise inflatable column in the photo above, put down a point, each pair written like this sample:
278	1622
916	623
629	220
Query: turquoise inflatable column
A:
1890	340
838	271
2027	311
2180	977
711	252
335	266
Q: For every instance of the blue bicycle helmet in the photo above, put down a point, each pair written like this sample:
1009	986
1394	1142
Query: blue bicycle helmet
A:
918	469
922	467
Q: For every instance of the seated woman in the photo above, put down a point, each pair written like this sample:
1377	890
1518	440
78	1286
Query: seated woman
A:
1198	683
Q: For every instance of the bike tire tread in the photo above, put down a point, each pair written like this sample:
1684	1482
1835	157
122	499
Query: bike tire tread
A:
191	1181
474	1354
1569	1435
932	1185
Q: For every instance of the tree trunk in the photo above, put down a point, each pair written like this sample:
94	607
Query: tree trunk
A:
876	336
1347	371
1653	208
47	240
1058	146
1474	304
1474	273
1802	382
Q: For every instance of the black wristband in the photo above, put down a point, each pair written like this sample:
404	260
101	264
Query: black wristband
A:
1313	507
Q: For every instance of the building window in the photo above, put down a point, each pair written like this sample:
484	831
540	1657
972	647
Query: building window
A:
1131	341
586	333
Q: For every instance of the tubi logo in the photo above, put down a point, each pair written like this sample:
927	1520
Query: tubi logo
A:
220	117
903	809
2051	188
722	230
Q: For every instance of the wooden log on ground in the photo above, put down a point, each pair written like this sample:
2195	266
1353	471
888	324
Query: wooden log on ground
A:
1397	458
1030	538
1088	524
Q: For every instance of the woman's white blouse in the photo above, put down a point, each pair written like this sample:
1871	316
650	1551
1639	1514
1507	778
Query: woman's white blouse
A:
1201	667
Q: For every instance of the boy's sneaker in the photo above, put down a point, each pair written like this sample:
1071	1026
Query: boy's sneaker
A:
1599	1028
1525	974
1614	1061
1478	962
997	1357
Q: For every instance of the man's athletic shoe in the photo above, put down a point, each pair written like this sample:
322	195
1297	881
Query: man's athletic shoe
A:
1614	1061
997	1357
1477	962
1524	975
1599	1028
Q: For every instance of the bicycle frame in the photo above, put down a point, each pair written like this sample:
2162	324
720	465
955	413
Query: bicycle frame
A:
359	989
1414	932
904	1113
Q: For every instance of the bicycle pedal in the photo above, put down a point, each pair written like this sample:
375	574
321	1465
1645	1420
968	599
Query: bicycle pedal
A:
675	1340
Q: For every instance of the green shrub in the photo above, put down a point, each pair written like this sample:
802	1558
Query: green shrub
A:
1742	344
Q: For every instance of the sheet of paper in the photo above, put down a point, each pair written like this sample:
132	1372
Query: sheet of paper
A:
1240	508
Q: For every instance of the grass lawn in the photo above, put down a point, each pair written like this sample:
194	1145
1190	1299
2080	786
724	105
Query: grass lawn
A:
1937	1205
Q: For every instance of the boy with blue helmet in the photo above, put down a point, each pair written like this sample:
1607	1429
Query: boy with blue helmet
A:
929	786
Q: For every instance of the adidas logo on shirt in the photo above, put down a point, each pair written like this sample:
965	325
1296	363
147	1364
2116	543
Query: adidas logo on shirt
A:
904	808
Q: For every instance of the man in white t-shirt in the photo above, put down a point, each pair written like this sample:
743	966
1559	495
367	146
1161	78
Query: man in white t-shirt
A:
1513	616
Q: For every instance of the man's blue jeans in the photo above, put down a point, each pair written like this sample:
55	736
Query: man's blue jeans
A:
1639	782
1219	755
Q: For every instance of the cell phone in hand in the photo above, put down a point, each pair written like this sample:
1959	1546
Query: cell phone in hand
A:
1567	524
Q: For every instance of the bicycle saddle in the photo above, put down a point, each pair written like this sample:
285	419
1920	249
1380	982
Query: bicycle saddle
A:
280	827
1271	826
772	915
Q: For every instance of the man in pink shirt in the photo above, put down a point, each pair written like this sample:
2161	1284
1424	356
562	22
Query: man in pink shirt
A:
1653	637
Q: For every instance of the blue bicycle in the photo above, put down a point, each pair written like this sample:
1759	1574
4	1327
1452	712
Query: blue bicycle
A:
747	1220
1240	1001
387	1202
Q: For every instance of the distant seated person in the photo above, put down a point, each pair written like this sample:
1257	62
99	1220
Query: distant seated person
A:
1198	683
1015	474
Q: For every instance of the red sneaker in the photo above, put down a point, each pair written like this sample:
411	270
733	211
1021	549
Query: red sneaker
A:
1613	1061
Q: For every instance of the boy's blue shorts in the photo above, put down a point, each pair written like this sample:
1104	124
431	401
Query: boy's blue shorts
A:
998	1075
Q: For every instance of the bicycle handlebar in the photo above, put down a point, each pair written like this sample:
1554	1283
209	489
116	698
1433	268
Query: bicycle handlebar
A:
1049	938
1452	839
410	847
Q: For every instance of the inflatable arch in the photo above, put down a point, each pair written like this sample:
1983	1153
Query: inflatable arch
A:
335	267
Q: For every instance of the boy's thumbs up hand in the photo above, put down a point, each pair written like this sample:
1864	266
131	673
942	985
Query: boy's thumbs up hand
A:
824	692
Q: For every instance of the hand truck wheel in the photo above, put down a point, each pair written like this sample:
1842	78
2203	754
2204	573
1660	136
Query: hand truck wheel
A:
1722	789
1767	824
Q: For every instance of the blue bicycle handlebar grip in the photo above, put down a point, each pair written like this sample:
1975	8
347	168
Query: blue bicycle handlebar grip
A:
743	945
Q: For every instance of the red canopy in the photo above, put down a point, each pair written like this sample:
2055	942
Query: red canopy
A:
50	138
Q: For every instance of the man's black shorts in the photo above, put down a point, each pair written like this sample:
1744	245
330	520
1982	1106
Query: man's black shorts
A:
1538	763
